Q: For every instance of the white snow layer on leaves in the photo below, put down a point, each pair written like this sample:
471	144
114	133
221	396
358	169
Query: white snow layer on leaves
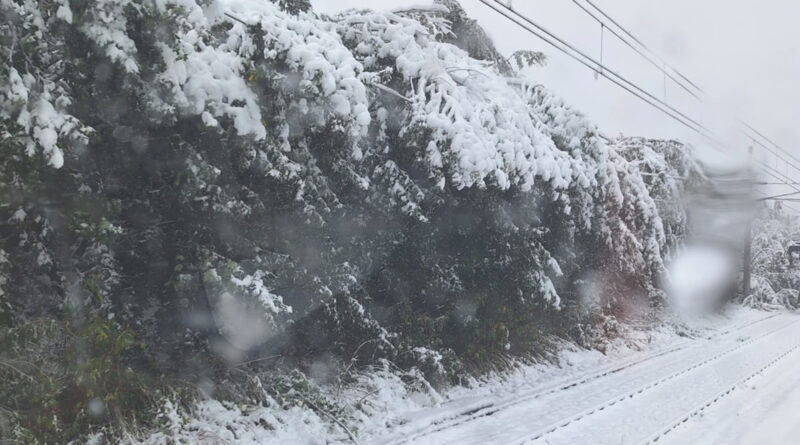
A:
105	23
208	81
212	421
478	127
475	116
35	101
38	107
205	75
774	283
482	126
479	122
329	76
4	264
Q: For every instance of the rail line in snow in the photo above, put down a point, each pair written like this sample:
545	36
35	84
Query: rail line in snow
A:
487	409
631	394
712	400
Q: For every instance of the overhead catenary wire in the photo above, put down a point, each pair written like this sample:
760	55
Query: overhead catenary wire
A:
681	75
771	171
510	13
782	195
645	47
758	133
642	48
788	183
779	200
777	175
766	197
659	64
550	38
768	149
768	139
586	60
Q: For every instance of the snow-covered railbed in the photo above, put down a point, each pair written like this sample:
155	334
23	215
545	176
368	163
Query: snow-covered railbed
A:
628	402
764	410
641	417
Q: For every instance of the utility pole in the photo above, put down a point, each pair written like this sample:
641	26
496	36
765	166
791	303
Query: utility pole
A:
748	242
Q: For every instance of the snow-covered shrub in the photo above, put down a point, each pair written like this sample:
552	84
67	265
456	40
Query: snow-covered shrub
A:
788	298
35	96
226	422
761	293
244	179
598	332
775	281
669	172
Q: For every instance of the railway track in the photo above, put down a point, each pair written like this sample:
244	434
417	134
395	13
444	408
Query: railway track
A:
630	394
683	418
480	410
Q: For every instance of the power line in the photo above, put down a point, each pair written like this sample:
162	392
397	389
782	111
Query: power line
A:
598	67
653	53
619	80
631	87
601	69
768	140
783	203
660	66
782	195
770	170
792	164
777	175
682	76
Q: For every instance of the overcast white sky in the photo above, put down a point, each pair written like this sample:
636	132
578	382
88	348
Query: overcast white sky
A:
744	53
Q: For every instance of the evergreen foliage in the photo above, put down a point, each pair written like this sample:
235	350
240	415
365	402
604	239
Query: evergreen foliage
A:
775	282
188	185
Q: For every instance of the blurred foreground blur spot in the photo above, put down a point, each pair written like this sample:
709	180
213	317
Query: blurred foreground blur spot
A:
702	278
707	271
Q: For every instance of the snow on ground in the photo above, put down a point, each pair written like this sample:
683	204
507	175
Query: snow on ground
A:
643	408
214	422
762	411
567	406
651	385
495	392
